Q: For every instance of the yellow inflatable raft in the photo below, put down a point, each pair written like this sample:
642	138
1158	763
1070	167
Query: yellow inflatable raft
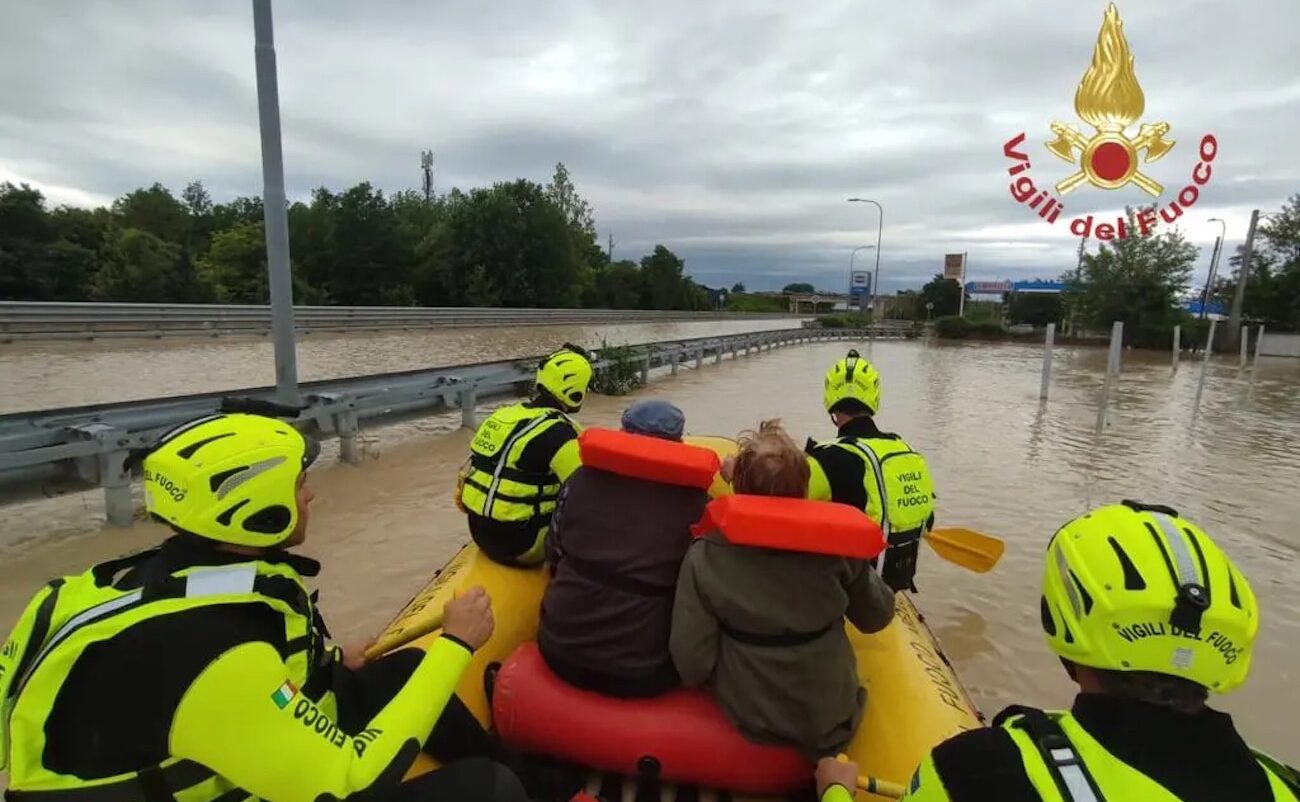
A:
915	699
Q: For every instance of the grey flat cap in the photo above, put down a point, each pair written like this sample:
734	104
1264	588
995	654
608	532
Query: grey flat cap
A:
655	418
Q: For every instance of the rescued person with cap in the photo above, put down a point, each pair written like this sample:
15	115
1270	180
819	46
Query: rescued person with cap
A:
615	547
200	670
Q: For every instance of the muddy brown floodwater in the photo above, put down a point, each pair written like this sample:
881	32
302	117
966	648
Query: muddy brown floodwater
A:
1004	464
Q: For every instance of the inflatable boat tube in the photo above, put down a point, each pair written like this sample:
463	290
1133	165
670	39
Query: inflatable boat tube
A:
915	699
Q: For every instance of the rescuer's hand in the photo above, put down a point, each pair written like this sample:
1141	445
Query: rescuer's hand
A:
832	771
468	617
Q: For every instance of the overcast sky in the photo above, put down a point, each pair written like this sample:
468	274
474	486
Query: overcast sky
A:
730	131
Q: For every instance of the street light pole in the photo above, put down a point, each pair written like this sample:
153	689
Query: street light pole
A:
851	255
1214	263
273	207
880	227
1238	298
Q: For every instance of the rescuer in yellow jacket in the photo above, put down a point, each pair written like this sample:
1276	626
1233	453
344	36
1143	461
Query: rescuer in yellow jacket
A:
1148	616
199	671
874	471
520	456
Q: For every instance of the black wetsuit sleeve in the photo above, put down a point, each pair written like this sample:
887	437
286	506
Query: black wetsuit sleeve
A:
981	765
845	473
539	452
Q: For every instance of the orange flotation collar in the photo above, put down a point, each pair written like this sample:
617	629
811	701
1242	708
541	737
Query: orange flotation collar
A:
640	456
793	524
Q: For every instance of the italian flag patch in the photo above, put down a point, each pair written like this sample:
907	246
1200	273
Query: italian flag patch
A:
284	694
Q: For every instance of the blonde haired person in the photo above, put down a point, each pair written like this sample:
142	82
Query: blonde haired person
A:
764	626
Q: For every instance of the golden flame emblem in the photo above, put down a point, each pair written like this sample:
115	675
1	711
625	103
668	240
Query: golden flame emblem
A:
1110	99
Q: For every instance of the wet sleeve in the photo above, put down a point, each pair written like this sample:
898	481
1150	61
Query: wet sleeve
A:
555	538
871	601
244	720
566	459
837	793
926	785
694	637
819	485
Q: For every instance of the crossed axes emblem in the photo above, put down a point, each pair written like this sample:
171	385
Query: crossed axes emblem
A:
1107	144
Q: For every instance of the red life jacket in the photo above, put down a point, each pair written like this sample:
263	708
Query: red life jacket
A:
793	524
640	456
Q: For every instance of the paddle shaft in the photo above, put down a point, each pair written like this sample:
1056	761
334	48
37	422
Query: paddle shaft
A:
873	785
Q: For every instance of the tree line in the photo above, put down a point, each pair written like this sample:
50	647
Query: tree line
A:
514	244
1143	280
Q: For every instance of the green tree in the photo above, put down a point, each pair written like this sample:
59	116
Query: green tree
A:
156	211
1273	286
236	265
661	275
1035	308
738	287
944	293
196	199
576	211
37	263
509	245
619	286
1138	280
142	268
798	287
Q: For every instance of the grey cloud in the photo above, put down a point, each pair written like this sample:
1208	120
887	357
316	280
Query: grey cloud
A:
731	132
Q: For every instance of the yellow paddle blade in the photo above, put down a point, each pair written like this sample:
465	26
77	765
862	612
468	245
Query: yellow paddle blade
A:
972	550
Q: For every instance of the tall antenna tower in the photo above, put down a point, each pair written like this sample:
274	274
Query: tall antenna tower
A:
426	166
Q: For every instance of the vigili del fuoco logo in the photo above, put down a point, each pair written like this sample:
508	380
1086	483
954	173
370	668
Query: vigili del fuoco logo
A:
1109	99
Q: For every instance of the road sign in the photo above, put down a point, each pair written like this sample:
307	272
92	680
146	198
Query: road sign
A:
859	287
954	266
988	287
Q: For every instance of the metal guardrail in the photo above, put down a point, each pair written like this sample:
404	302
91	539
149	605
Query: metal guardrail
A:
27	320
75	448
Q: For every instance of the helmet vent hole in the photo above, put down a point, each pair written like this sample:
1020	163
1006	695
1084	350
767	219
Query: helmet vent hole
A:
1132	578
189	450
1069	636
269	521
218	479
1232	590
1087	599
1200	558
226	517
1045	610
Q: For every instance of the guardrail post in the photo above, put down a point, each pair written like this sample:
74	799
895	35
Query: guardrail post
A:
1205	365
699	358
677	357
1245	343
107	469
1259	344
645	370
1112	369
717	354
1047	360
1178	341
468	401
346	423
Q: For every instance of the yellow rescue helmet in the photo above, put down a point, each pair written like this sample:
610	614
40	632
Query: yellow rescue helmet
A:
229	477
1135	587
565	375
852	379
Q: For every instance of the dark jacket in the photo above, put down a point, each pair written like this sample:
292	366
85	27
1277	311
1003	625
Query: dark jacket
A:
730	599
615	547
1198	758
